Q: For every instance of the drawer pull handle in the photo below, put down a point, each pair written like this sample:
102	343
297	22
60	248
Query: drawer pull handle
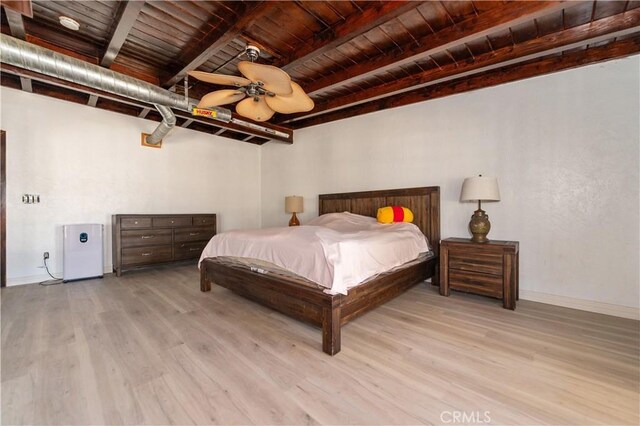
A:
204	220
147	254
145	237
193	249
135	223
194	233
171	221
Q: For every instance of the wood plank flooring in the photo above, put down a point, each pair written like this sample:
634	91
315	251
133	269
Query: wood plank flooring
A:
150	348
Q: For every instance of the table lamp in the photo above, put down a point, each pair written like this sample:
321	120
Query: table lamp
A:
293	204
480	188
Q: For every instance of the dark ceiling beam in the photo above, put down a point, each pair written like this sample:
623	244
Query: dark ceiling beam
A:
23	7
16	23
127	14
484	24
21	72
218	38
504	75
591	33
377	13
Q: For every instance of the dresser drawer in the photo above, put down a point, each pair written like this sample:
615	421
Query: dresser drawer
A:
488	285
487	263
133	223
145	237
145	255
188	250
193	234
204	220
171	222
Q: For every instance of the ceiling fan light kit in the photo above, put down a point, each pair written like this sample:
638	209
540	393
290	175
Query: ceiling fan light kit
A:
267	90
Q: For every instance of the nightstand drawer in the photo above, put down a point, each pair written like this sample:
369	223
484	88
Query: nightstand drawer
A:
485	284
487	263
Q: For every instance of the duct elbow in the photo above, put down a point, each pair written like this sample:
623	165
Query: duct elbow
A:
168	123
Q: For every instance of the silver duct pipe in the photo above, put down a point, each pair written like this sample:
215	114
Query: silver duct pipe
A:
44	61
168	121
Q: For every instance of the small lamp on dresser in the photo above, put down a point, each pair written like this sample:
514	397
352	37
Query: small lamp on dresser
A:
480	188
293	204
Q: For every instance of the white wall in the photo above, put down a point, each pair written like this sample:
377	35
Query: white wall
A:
87	164
565	150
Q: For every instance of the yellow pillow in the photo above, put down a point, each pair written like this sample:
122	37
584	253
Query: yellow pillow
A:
392	214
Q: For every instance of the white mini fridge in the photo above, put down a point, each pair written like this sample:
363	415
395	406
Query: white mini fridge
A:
83	253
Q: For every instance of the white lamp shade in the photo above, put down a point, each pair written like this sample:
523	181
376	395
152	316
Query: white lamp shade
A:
293	204
480	188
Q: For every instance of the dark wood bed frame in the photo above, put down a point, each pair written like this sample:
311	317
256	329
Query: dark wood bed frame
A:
332	311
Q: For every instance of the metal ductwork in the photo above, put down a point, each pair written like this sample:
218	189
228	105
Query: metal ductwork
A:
168	121
44	61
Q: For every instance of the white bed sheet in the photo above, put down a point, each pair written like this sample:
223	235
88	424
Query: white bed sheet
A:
337	250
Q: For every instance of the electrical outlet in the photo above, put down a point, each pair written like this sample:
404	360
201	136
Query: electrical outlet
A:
46	254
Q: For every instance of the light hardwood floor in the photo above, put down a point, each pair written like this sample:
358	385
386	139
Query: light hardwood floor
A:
150	348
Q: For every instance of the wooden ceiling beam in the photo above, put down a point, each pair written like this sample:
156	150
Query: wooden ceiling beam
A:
486	23
590	33
127	14
16	23
23	7
218	38
504	75
355	25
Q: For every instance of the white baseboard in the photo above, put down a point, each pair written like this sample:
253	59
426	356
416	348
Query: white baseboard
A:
33	279
582	304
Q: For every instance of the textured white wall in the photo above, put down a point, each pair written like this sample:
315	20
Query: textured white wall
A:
564	148
87	164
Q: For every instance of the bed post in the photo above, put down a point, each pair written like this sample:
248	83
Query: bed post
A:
331	327
205	284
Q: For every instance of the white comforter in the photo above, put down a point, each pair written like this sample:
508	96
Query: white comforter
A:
336	250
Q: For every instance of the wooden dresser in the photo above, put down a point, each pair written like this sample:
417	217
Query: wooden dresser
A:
143	240
490	269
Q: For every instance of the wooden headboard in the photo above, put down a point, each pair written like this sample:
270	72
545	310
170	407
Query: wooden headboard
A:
423	202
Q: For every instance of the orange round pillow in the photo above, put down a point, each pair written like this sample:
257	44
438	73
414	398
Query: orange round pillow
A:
392	214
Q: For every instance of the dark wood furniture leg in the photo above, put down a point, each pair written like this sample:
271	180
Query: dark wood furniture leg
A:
205	284
331	329
444	271
508	290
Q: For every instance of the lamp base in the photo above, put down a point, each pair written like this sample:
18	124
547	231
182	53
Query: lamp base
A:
294	220
479	226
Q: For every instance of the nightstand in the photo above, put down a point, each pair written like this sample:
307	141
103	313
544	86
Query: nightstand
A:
490	269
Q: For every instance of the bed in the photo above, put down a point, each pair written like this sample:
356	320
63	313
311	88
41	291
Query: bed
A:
331	311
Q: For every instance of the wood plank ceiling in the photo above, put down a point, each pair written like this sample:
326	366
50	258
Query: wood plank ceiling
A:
352	57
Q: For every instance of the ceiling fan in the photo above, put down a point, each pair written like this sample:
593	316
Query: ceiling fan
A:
263	91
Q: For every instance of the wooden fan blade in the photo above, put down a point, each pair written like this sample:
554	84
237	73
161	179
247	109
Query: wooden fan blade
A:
220	97
273	79
297	101
255	110
225	80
